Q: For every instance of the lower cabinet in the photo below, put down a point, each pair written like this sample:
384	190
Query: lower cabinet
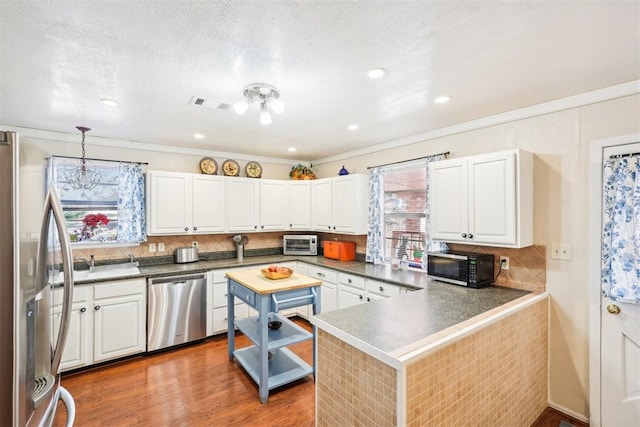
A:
108	321
329	288
217	302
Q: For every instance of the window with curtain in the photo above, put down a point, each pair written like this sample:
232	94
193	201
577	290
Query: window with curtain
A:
111	213
399	213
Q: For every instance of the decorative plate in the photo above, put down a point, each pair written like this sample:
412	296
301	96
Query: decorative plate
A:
253	170
208	166
231	168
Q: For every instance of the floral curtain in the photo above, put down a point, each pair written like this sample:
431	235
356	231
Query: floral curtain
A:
430	245
375	236
621	230
132	225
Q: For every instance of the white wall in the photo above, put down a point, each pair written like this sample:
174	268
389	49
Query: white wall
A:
560	143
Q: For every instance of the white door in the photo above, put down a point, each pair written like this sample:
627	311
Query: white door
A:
243	204
449	200
321	204
300	205
209	210
620	353
274	205
169	203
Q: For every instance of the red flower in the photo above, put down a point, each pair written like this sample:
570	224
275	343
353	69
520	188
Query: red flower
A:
93	220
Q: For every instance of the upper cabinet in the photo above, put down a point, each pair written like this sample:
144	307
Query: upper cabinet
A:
340	204
483	200
185	203
257	205
181	203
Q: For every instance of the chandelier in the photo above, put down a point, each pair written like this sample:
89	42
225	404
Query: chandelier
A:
265	95
81	177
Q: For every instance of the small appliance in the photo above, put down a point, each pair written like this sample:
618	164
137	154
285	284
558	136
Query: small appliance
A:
340	250
461	268
300	244
185	255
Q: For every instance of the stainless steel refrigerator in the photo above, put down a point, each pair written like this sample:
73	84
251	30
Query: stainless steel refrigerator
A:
34	250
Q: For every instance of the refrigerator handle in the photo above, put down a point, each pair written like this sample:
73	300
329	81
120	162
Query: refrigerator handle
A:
52	204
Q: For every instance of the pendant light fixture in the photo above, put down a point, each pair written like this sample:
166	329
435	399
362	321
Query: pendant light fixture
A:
266	96
81	177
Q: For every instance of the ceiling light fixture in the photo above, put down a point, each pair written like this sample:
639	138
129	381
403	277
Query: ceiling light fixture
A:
266	95
292	149
376	73
354	127
198	136
81	177
442	100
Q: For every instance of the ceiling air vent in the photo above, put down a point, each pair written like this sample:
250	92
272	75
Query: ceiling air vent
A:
209	103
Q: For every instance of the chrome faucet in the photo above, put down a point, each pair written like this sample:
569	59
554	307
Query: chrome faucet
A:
91	264
131	257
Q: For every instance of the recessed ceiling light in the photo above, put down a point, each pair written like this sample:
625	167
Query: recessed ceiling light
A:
291	149
198	136
109	102
442	100
376	73
354	127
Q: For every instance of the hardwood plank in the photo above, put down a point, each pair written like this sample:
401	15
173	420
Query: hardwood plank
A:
189	386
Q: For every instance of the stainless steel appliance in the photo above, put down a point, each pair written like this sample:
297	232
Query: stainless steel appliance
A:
34	247
185	255
176	310
300	244
461	268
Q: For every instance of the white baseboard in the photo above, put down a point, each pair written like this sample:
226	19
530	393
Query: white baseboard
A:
569	412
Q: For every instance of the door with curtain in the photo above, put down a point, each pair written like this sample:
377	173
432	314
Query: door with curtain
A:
620	301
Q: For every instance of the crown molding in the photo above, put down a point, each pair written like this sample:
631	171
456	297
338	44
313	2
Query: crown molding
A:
587	98
46	135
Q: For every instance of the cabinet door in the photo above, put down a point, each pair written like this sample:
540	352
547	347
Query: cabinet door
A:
77	348
300	205
328	297
448	200
209	210
169	203
350	204
348	296
321	204
492	198
274	205
119	326
243	204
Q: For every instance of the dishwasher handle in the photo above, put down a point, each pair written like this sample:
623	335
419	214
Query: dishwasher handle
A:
177	279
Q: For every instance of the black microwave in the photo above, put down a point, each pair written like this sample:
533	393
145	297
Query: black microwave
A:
461	268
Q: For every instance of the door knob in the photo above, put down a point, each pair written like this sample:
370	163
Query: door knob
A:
613	309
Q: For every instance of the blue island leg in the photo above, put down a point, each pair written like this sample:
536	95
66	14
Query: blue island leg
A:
231	336
263	322
317	303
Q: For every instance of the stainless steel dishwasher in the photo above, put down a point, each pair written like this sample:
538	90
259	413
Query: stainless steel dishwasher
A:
176	310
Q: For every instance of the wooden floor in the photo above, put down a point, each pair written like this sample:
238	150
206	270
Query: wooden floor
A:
198	386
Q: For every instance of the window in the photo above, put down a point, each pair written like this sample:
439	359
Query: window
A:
405	202
112	212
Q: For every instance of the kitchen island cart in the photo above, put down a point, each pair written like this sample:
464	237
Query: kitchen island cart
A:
269	363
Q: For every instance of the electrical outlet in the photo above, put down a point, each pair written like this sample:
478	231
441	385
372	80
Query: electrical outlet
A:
561	251
160	247
152	247
194	244
504	262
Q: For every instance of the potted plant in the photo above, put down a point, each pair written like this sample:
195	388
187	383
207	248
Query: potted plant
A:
301	171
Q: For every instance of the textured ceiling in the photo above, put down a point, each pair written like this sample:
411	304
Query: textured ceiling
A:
59	58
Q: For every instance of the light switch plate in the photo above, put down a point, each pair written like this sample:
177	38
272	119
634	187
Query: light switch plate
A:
160	247
561	251
152	247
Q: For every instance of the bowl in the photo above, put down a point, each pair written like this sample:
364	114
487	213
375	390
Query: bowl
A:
281	273
275	324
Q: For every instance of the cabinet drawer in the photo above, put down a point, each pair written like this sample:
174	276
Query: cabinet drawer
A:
351	280
80	294
220	295
119	288
323	274
382	288
244	294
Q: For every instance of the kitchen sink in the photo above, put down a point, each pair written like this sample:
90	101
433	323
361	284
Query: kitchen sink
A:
105	272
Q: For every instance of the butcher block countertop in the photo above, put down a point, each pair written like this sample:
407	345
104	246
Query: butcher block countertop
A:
257	282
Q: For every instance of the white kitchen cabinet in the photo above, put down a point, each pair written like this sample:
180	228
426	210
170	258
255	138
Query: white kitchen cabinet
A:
257	205
377	289
340	204
300	205
329	288
183	203
483	200
108	321
217	302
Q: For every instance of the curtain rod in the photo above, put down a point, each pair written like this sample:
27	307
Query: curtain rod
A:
101	160
446	153
619	156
